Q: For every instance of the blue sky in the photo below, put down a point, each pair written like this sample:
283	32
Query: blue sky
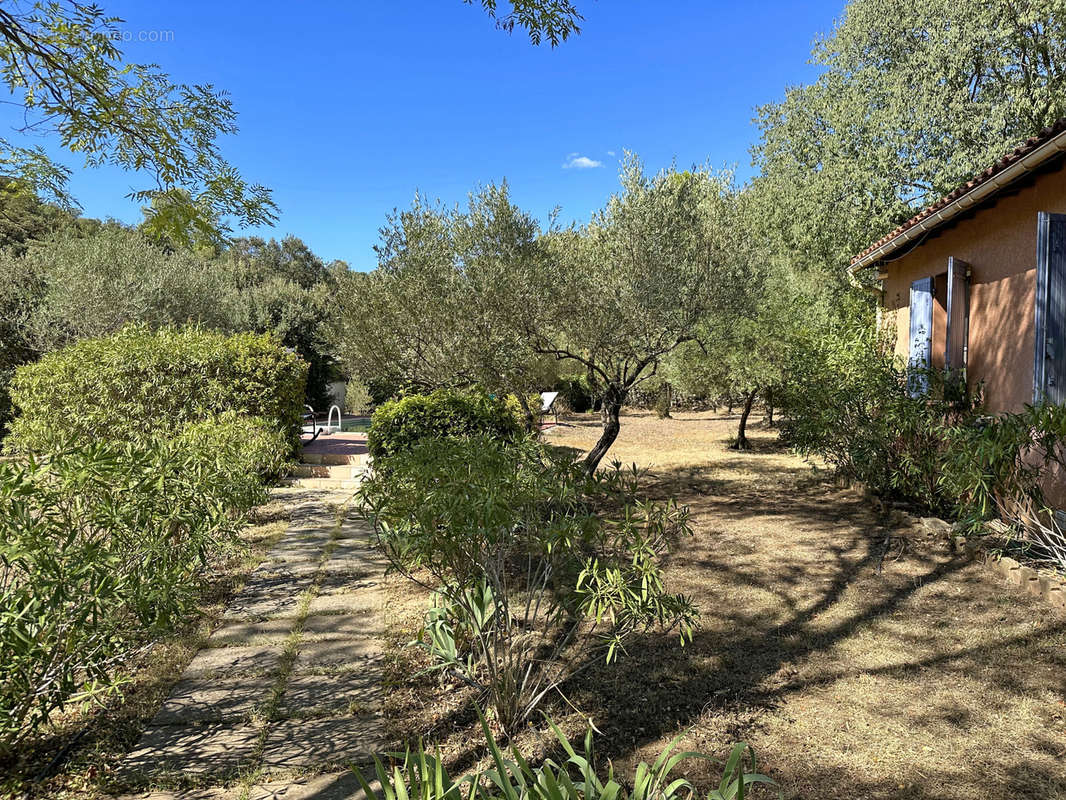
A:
347	108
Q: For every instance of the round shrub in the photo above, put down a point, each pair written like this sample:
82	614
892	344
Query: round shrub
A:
398	424
140	383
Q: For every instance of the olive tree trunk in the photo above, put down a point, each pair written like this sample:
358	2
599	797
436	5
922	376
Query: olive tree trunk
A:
769	398
742	438
610	410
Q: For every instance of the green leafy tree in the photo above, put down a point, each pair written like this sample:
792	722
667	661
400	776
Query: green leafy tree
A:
25	218
255	259
553	20
439	312
914	98
62	64
283	287
74	287
624	292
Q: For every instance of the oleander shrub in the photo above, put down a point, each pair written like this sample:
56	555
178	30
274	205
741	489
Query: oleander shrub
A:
102	548
1000	466
252	449
851	403
138	383
398	425
420	775
539	568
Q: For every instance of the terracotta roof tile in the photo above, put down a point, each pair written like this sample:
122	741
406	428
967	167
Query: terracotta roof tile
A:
1015	155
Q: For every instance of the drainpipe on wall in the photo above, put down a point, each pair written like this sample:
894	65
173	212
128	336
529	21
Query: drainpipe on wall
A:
877	291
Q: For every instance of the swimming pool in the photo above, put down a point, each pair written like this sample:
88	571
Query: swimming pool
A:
355	424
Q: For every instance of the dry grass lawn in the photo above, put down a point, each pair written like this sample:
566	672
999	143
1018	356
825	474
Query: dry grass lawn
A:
856	653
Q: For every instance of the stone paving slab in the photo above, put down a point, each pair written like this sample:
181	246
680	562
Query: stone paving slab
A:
213	749
353	548
339	626
341	575
354	571
186	794
267	604
214	700
346	582
338	786
224	661
284	554
353	693
296	568
319	536
351	603
322	743
356	531
251	633
331	653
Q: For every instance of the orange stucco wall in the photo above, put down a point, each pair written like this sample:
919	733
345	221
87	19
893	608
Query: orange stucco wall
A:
999	243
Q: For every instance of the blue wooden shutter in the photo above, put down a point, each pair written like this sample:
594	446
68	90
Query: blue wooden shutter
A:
958	319
921	335
1049	361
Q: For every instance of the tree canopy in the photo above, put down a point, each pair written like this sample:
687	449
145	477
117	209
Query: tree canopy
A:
482	295
915	98
62	63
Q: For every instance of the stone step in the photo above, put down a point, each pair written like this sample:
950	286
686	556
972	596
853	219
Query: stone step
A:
335	458
339	471
323	483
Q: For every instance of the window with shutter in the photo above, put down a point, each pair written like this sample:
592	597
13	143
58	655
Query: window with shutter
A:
921	335
958	319
1049	364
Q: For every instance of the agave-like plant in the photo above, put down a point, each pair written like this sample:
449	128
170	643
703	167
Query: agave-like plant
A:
423	776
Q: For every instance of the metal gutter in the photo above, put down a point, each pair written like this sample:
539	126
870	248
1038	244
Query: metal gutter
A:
978	193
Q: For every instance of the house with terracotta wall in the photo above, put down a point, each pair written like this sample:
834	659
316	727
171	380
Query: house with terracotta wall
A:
976	282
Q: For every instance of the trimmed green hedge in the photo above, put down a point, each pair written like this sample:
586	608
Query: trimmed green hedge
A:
397	425
138	383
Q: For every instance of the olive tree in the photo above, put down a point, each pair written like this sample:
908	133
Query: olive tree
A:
438	312
912	99
481	295
624	291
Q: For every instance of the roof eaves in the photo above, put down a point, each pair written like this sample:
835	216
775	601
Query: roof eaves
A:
1007	170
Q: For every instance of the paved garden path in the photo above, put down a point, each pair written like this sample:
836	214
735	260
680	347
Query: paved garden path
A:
286	693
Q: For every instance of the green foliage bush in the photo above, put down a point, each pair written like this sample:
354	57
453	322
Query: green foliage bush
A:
539	567
1000	467
576	393
850	402
102	545
258	447
398	425
138	383
422	776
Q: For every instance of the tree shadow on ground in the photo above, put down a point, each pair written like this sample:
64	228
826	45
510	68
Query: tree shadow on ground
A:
802	589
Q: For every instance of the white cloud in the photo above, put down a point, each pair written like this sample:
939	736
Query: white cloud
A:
610	153
574	161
